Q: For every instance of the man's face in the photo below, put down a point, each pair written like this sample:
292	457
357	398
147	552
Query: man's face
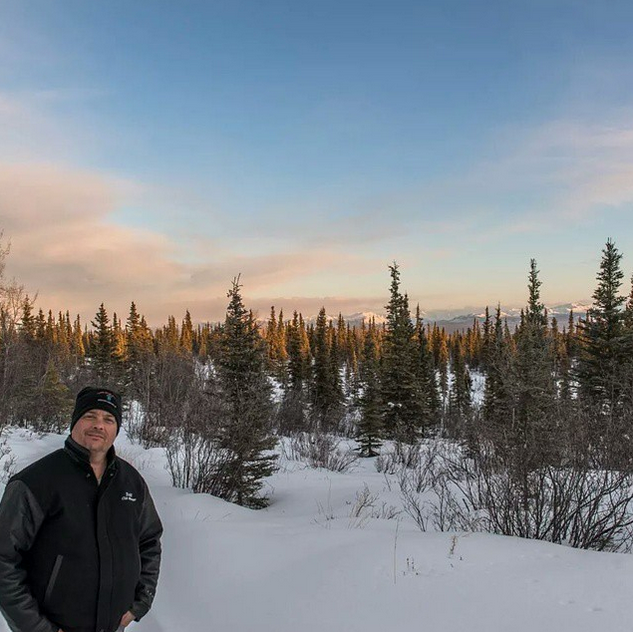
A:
95	430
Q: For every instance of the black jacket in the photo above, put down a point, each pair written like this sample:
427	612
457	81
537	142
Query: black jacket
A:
77	554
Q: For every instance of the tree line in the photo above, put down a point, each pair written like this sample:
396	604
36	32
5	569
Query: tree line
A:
217	394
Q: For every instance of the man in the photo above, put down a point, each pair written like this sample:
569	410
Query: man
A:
79	533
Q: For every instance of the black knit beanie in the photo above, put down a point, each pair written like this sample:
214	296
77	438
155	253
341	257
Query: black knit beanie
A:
104	399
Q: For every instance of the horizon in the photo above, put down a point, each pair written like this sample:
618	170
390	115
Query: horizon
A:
151	153
262	313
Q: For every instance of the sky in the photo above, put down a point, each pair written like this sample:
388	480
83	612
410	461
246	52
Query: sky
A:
152	151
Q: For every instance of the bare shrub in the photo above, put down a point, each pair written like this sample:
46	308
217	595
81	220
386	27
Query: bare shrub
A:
7	460
197	462
584	508
385	512
425	490
320	450
168	394
195	458
361	509
365	508
403	455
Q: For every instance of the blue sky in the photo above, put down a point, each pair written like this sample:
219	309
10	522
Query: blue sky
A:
150	151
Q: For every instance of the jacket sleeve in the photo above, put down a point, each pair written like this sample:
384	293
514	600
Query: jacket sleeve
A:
20	520
150	551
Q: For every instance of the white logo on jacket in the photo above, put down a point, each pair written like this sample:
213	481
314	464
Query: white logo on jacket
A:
128	496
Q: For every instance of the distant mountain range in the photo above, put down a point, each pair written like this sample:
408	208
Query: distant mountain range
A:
513	316
453	320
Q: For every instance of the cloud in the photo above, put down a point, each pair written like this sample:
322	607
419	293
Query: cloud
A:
63	245
534	177
66	248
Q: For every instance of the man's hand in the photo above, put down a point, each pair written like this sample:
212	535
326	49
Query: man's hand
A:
126	619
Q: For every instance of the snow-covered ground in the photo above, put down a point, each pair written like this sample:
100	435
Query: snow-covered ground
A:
307	564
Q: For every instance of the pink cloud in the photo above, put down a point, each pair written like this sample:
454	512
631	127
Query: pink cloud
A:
67	249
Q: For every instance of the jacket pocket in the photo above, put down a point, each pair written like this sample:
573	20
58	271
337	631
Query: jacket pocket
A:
53	579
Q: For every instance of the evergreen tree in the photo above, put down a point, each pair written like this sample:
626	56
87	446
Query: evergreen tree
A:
270	335
298	354
120	351
293	405
170	338
77	344
40	326
186	334
370	428
534	377
138	342
30	357
627	368
246	404
55	401
442	365
498	400
602	341
326	393
488	341
427	381
276	347
460	397
28	324
403	410
473	345
103	350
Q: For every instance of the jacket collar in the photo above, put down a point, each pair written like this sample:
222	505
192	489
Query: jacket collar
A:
81	455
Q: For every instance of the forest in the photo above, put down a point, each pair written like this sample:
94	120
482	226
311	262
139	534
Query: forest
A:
546	452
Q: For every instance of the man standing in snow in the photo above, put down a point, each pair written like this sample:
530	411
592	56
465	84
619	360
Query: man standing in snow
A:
79	533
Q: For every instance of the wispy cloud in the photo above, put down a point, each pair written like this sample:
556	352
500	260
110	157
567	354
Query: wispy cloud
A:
535	177
65	247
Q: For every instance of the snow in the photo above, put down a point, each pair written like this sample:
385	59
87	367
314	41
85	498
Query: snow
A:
308	564
478	386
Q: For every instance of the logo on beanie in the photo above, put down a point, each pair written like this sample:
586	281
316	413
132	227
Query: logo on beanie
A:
107	398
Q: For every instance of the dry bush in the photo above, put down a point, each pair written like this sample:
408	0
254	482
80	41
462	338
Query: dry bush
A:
582	507
320	449
366	507
403	455
7	460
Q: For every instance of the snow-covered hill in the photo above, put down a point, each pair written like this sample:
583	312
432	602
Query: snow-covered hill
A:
308	564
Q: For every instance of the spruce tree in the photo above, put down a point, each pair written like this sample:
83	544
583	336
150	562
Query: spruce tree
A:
326	394
246	404
460	400
186	334
138	342
403	410
427	381
487	343
534	381
442	366
55	401
28	325
601	336
370	427
103	356
627	368
294	402
270	335
498	397
277	355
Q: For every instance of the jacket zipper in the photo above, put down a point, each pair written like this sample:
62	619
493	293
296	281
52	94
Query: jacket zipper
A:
53	578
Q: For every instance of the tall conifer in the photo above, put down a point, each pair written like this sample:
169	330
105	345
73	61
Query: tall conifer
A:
403	409
246	404
370	428
603	352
